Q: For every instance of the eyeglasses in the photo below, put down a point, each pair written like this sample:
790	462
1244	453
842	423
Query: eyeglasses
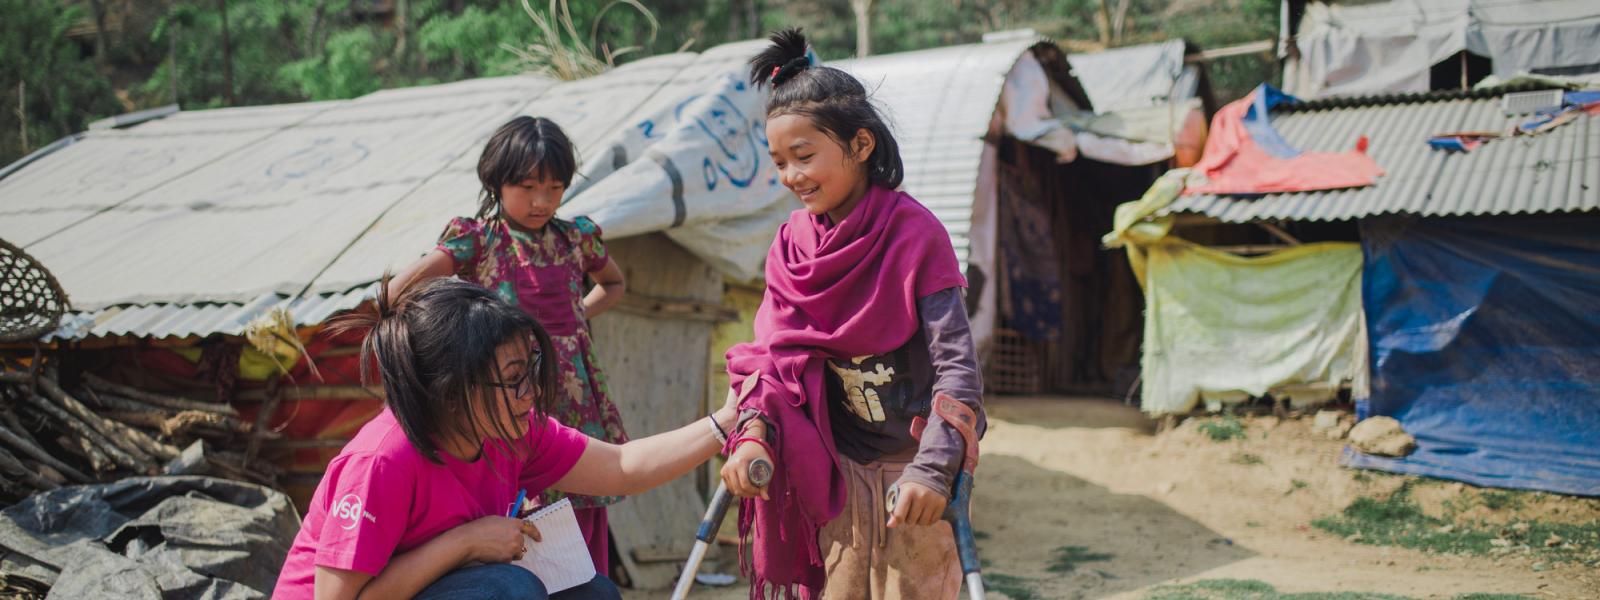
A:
523	386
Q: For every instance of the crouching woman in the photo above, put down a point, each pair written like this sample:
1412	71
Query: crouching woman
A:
416	504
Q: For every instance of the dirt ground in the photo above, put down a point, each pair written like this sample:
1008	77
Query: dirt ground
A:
1088	480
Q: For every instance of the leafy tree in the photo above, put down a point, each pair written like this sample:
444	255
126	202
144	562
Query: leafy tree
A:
48	88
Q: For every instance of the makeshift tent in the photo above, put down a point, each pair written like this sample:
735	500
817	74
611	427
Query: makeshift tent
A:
1352	48
1220	328
999	140
1479	280
172	235
1486	346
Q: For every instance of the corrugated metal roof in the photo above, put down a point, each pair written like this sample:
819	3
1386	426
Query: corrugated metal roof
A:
1558	171
223	207
226	206
162	321
939	103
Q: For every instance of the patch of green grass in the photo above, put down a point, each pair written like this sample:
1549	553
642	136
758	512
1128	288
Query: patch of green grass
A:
980	535
1226	428
1016	588
1399	521
1494	500
1361	477
1246	458
1251	589
1497	500
1295	485
1067	558
1252	524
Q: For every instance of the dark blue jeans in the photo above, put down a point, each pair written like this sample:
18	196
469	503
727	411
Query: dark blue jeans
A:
503	581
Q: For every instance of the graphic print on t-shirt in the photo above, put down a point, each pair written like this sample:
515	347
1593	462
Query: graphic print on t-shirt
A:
350	511
861	386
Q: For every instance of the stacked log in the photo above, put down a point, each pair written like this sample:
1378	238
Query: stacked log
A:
99	431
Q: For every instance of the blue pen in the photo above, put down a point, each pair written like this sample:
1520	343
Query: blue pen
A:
521	495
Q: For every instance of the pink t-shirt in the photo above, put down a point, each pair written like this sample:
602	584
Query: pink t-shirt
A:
381	497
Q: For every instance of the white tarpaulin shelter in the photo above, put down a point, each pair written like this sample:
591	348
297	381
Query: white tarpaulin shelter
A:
240	206
1344	49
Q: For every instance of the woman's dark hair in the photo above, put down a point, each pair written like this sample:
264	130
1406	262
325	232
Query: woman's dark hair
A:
525	147
435	350
834	100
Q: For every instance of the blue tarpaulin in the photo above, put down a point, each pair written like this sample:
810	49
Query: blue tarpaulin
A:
1485	345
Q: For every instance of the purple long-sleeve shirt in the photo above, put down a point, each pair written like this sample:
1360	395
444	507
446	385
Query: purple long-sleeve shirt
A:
873	400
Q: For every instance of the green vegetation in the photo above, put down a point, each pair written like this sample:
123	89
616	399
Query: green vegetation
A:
1228	427
210	53
1399	521
1250	589
1016	588
1068	558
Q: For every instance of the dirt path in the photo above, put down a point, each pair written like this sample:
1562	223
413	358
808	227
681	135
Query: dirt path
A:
1077	499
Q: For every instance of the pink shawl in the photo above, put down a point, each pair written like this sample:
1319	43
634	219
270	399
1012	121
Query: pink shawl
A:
841	292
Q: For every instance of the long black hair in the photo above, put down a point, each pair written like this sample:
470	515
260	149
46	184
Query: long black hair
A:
833	100
435	349
525	147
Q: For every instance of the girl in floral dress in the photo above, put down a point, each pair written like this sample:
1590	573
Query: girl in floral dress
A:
516	248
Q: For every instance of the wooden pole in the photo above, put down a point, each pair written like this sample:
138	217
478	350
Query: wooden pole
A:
863	10
26	447
99	384
22	115
92	440
11	465
96	422
227	54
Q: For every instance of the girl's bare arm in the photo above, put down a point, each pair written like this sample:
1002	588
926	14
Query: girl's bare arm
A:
621	470
608	290
433	264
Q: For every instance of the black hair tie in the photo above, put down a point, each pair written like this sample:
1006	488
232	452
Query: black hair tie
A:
789	69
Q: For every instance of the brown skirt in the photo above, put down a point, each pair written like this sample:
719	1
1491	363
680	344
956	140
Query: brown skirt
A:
868	561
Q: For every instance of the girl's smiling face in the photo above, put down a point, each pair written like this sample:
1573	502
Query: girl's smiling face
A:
531	202
828	178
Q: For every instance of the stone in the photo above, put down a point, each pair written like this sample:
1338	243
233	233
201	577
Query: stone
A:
1382	436
1166	487
1553	541
1325	419
1338	432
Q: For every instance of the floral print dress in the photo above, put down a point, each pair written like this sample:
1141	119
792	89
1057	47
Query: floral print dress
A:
542	272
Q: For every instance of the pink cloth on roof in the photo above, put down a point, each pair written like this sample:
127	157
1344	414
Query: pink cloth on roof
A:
832	292
381	497
1234	163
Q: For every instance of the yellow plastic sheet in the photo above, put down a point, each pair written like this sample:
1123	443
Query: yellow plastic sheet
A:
1220	328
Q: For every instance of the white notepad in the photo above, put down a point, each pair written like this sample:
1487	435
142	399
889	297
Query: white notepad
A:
562	560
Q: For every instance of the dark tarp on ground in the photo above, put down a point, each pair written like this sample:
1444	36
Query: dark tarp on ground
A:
1485	339
150	537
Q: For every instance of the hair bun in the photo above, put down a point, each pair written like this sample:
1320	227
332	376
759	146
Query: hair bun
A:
788	56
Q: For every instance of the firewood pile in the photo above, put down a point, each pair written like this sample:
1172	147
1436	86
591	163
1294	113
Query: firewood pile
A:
57	431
